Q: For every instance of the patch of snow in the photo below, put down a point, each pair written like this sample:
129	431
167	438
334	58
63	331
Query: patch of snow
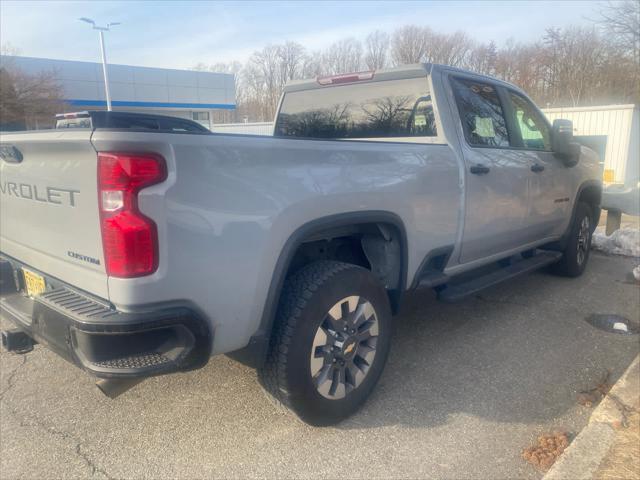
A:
636	273
624	241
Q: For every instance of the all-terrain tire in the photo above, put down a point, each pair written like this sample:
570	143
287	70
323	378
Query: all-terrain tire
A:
576	253
304	305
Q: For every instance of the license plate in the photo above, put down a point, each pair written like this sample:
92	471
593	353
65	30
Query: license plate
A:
34	283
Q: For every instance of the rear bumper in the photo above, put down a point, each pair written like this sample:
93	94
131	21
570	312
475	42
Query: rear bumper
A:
91	334
626	200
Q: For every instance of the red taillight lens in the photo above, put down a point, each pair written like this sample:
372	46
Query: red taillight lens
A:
129	239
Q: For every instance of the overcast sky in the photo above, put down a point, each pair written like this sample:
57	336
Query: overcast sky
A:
181	34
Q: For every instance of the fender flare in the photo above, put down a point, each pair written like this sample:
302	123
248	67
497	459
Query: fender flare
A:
583	186
559	245
256	351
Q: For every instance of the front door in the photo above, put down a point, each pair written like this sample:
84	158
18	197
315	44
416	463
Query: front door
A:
497	177
550	183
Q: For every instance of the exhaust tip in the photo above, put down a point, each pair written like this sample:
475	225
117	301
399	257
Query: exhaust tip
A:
114	387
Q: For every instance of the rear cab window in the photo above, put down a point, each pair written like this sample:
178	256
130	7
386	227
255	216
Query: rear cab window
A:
481	113
392	110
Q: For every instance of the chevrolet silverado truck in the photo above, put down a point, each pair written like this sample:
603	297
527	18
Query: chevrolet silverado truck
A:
136	245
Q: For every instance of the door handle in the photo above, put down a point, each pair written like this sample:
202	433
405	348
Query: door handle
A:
479	169
537	168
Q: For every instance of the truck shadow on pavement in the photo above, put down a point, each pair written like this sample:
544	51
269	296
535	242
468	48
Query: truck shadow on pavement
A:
517	353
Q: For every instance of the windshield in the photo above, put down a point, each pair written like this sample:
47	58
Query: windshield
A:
392	108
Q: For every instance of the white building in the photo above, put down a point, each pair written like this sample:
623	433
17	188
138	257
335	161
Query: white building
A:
614	132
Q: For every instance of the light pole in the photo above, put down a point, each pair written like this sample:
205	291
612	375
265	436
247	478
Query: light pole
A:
101	31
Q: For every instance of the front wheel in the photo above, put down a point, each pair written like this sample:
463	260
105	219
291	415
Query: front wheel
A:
576	253
330	341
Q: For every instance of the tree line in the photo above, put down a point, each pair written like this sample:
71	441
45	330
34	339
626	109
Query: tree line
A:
573	66
27	101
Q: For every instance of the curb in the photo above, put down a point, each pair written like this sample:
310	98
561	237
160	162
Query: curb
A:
581	459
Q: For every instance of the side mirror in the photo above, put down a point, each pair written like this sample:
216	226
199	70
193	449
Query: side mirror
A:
562	136
562	142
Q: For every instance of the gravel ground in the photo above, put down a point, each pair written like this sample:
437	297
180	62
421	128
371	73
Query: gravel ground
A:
467	387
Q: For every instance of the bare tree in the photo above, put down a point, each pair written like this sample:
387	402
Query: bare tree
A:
377	48
570	66
343	56
293	59
409	44
28	101
573	56
521	64
449	49
264	66
482	58
313	65
232	67
621	21
261	80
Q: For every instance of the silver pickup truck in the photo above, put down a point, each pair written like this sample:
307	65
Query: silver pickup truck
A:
137	245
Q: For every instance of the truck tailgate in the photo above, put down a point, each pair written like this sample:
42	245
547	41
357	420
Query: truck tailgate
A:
49	217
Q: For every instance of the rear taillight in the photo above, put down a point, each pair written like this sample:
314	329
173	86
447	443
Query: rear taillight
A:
129	239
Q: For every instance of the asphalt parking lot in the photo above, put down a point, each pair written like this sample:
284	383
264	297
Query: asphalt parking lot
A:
467	387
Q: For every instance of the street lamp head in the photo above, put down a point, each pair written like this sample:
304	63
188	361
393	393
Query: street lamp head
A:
98	27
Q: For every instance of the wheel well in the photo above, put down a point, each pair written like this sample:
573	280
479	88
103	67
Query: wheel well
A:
375	240
592	196
375	246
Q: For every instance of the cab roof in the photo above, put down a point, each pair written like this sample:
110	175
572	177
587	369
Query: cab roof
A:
396	73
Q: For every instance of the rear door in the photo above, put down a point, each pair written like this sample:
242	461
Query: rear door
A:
49	216
497	186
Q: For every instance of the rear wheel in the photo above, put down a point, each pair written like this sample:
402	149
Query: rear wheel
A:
576	253
330	341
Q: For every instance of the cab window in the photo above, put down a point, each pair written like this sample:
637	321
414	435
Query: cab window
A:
481	113
532	127
373	110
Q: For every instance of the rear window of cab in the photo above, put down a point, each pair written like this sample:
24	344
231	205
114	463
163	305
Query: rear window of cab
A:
373	110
